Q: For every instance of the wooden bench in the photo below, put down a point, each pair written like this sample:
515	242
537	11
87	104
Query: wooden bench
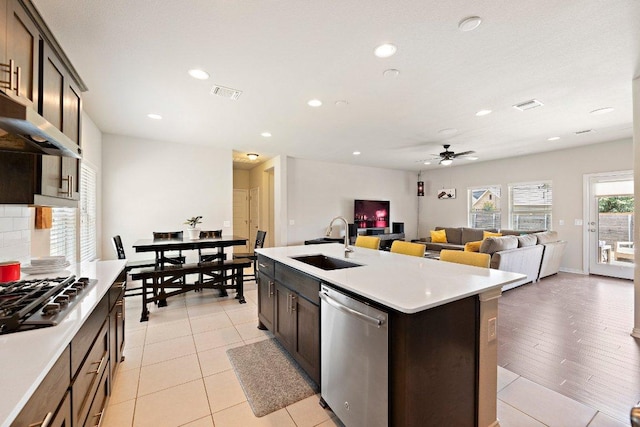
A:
221	275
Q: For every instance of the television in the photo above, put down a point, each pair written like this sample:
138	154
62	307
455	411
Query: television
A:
371	213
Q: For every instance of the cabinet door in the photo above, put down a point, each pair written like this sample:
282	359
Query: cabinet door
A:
285	319
266	301
23	46
307	341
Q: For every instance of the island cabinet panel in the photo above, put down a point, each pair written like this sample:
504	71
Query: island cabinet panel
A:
433	360
266	293
48	397
289	306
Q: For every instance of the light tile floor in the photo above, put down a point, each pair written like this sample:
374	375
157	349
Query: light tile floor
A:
176	373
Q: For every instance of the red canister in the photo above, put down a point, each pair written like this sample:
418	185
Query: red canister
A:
9	271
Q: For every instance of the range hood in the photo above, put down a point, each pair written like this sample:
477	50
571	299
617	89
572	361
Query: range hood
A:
22	129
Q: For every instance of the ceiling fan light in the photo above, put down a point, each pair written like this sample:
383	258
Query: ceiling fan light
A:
446	162
252	156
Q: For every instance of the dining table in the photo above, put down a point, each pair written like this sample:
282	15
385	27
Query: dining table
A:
160	246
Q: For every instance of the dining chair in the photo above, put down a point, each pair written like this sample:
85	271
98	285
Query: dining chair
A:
163	259
408	248
465	257
208	256
130	265
369	242
260	236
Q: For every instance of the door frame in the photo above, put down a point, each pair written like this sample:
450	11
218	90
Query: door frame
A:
589	242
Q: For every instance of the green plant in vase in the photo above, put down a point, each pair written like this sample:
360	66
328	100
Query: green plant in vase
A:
193	230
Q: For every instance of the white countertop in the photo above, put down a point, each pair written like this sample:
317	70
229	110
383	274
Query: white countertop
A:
26	357
405	283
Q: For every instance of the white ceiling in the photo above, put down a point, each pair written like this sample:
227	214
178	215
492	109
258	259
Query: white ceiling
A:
574	56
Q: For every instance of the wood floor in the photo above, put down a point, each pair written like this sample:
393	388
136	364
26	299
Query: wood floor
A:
571	333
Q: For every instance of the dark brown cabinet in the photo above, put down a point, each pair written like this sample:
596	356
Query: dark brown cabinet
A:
22	54
289	306
116	321
47	402
37	73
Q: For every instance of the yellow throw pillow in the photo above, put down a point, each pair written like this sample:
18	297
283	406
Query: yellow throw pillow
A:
473	246
486	234
438	236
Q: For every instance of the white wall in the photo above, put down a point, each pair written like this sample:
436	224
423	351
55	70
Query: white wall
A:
319	191
155	186
565	168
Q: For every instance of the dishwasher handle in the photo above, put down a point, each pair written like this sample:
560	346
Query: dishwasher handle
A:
335	304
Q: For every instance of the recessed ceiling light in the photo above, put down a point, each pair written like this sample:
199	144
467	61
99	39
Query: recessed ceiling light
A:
198	74
470	23
391	73
356	153
483	113
426	163
553	138
154	116
314	103
385	50
341	103
602	111
448	131
471	157
252	156
266	134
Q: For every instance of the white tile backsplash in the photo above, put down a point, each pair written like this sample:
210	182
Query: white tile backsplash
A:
15	233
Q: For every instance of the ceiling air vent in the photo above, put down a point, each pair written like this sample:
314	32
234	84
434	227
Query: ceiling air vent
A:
528	105
582	132
226	92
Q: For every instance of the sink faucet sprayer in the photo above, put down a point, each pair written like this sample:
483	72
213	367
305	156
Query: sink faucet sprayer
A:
347	249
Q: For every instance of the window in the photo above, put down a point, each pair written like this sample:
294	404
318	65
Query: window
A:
484	206
88	229
530	206
63	233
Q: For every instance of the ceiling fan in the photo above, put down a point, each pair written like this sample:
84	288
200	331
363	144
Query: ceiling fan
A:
446	157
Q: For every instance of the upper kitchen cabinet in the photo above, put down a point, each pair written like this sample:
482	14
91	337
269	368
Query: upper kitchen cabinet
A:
22	53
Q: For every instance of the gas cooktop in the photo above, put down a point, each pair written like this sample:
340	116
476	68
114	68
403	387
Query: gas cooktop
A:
39	303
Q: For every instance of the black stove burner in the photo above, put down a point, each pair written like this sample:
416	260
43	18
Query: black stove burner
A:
38	303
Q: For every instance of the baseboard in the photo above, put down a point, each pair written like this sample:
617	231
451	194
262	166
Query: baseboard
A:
574	271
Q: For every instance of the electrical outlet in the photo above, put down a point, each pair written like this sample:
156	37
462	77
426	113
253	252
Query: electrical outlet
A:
578	222
292	222
492	329
226	223
561	222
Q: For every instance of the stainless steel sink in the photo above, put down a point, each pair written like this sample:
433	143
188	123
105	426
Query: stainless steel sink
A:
324	262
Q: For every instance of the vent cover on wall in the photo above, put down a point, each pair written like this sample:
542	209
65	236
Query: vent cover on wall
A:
226	92
528	105
582	132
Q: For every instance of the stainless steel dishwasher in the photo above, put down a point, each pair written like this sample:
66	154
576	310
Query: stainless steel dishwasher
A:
354	378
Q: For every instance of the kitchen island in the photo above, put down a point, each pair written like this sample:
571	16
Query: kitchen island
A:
29	356
442	325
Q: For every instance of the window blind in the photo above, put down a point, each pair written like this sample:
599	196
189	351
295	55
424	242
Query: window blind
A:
63	233
530	205
88	213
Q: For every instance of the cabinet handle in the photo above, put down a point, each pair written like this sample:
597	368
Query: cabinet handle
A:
97	371
119	303
288	303
18	75
293	303
45	422
69	191
262	265
271	288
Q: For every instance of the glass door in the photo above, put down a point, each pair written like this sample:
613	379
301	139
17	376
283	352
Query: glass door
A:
610	227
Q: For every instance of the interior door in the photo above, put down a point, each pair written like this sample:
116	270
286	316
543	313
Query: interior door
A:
241	218
254	215
610	227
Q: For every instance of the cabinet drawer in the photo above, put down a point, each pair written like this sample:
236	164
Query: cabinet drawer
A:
87	334
266	265
305	285
96	411
48	395
86	383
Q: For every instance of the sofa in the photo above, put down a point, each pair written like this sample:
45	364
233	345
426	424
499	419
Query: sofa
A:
517	254
457	237
536	254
